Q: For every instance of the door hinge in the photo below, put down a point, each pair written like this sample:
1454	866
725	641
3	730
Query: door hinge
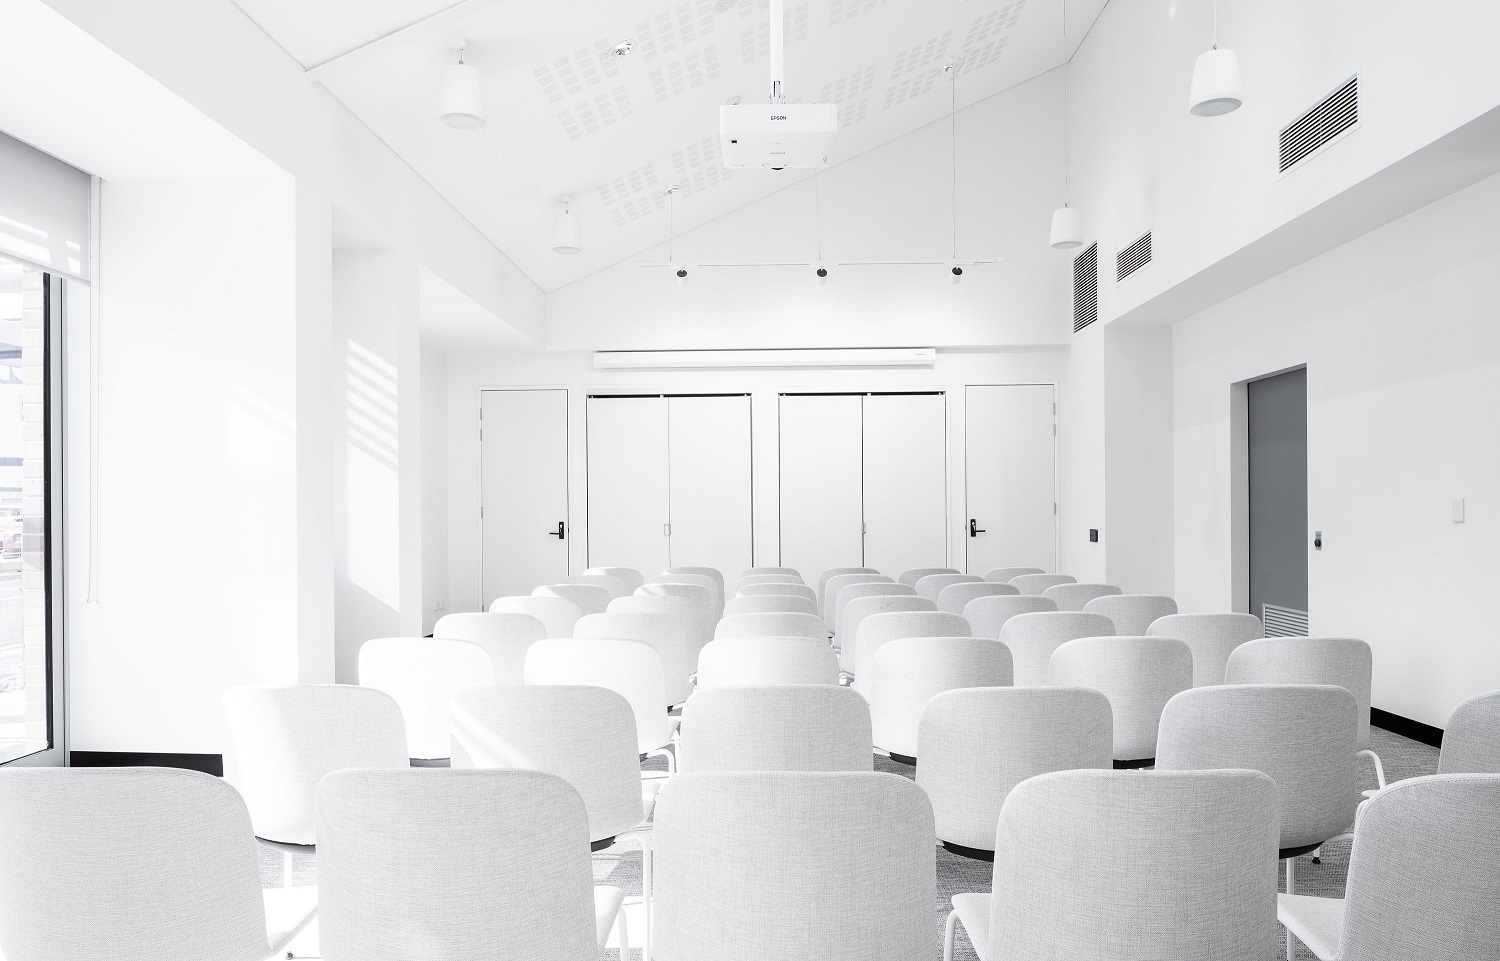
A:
666	530
1054	430
1054	507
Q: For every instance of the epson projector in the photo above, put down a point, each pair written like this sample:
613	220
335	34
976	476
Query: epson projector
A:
777	135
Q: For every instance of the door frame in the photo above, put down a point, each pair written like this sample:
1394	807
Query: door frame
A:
479	469
1056	467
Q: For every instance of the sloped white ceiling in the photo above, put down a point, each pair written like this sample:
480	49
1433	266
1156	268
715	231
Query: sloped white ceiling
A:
568	117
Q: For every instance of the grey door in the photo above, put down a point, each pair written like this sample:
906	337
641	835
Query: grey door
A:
1277	429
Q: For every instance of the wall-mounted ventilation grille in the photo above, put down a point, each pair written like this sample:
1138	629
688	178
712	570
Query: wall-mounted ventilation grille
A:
1283	621
1086	288
1331	116
1133	257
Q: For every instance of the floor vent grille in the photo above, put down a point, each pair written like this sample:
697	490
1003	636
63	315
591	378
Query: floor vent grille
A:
1086	287
1283	621
1320	126
1135	256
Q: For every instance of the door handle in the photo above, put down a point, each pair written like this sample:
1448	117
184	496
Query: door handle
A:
974	529
559	532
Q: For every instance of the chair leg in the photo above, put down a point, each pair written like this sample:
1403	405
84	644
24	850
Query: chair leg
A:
948	934
1379	768
1291	888
623	930
647	870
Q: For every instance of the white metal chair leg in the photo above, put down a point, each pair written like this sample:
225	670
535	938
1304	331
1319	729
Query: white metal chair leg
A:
948	934
1291	888
643	838
671	758
1379	768
623	930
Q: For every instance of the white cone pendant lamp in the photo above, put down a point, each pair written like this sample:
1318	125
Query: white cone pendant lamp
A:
1067	228
567	233
461	100
1216	86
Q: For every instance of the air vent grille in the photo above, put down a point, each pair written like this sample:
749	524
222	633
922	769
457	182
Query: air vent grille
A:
1334	114
1086	288
1135	256
1283	621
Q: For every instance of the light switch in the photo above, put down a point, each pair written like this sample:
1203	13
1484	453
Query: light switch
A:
1458	510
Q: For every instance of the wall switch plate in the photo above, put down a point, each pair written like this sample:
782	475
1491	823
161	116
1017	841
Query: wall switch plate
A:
439	605
1317	540
1458	510
1093	535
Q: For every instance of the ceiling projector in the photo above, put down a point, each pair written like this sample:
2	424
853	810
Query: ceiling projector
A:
777	134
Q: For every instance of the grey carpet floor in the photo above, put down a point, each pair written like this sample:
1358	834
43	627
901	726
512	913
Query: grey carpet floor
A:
1403	759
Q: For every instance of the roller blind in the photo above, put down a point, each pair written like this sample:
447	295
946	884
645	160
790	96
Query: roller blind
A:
44	209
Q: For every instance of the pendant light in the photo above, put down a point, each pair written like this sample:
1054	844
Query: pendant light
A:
461	101
1067	225
1216	86
567	234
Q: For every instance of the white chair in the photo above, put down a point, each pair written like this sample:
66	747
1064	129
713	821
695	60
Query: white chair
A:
987	615
908	673
1004	575
955	597
1139	675
1037	584
774	624
1072	597
557	614
850	593
458	865
1471	741
705	612
1033	637
684	609
878	629
1166	866
830	591
1133	614
632	669
910	576
1422	880
616	586
1211	637
629	575
715	591
423	674
833	572
800	727
712	573
505	636
283	740
750	580
664	632
134	864
769	603
734	661
978	743
859	608
794	864
931	586
752	571
589	598
782	590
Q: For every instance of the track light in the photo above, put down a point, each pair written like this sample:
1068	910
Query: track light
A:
682	276
1216	86
958	273
461	101
822	275
1067	228
567	235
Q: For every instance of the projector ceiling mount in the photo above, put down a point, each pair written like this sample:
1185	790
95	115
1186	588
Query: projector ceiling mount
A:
777	135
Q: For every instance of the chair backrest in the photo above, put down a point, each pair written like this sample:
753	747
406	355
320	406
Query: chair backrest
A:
1072	597
616	586
1088	862
664	632
629	575
1139	675
850	593
752	571
1471	741
1004	575
710	572
955	597
423	674
734	661
1034	636
1301	736
1422	879
505	635
1210	637
987	615
877	629
794	590
590	598
772	624
978	743
860	608
798	727
584	735
748	579
683	608
766	603
830	591
931	586
1344	661
557	614
833	572
632	669
450	864
706	611
1038	583
911	576
134	864
282	740
1133	614
838	867
706	576
908	673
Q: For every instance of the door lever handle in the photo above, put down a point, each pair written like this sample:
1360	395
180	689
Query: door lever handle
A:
974	529
559	532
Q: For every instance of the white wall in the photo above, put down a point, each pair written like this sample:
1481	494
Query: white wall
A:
434	487
1398	331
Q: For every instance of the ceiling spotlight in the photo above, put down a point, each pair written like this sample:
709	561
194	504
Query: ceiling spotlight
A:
682	276
822	275
1216	86
722	5
567	235
958	273
624	48
1067	228
461	101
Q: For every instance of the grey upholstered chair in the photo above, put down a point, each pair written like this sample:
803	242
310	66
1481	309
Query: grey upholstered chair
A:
978	743
423	674
454	864
782	590
1033	637
505	635
1130	866
1471	741
616	586
632	669
747	580
877	629
834	867
911	576
738	661
1004	575
557	614
712	573
1211	637
1422	879
1072	597
850	593
706	611
1037	584
629	575
752	571
664	632
987	615
590	598
135	864
798	727
833	572
1139	675
829	595
955	597
774	624
931	586
769	603
715	590
859	608
1132	613
908	673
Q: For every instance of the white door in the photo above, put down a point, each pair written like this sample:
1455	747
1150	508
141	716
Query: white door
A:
1010	465
820	494
523	479
709	490
627	483
905	481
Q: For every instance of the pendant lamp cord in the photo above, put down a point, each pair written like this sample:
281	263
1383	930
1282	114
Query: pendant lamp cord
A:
953	144
818	217
1067	165
671	222
1216	24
